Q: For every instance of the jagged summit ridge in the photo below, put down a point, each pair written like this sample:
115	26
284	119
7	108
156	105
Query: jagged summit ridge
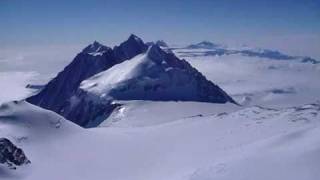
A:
96	48
130	48
155	53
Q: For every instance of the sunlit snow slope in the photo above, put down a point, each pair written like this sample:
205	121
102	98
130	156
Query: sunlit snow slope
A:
252	143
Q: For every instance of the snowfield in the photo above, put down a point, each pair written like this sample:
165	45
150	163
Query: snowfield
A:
274	134
252	143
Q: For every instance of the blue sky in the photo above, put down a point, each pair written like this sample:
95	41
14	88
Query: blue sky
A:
260	22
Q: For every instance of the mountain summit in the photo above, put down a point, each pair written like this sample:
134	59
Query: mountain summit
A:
95	47
130	48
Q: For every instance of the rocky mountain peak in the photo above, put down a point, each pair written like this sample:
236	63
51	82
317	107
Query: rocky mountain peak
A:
95	47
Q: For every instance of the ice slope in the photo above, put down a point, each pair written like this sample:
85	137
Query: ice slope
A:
252	143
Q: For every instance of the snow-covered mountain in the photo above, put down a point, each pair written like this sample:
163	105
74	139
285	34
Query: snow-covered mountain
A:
154	75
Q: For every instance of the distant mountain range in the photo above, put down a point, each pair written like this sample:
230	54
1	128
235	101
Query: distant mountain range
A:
85	90
206	48
203	45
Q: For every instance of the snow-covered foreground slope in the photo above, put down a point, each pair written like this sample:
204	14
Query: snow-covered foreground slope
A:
149	113
252	143
293	156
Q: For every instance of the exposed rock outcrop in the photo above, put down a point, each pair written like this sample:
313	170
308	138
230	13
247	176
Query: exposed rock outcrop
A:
11	155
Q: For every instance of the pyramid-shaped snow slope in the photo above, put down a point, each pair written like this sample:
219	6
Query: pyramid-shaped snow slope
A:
154	75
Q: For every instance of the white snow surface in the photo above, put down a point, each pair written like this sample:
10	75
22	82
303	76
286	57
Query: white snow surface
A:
106	80
252	143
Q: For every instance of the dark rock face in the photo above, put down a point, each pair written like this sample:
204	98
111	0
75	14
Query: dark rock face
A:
184	75
130	48
11	155
87	112
309	60
63	86
93	59
95	47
